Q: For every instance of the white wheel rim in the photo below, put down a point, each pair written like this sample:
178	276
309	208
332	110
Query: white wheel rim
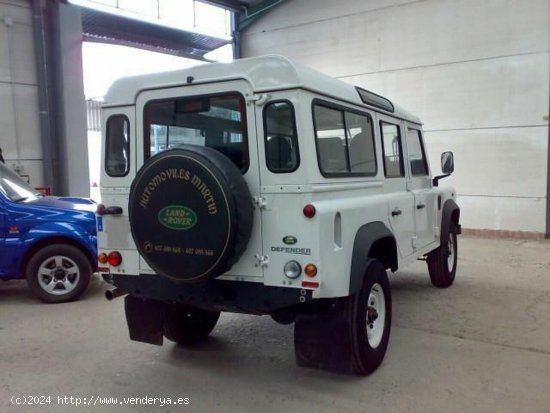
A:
376	315
58	275
450	253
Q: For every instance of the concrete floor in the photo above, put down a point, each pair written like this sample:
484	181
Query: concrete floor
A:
481	346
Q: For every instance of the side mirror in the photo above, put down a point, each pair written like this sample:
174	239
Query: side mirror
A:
447	167
447	163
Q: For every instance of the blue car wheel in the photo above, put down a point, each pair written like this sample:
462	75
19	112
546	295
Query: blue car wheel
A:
58	273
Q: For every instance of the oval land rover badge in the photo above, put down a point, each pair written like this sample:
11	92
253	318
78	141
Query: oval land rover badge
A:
177	217
290	240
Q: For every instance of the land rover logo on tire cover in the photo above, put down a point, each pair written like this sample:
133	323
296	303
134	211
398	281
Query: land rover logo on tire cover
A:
177	217
190	213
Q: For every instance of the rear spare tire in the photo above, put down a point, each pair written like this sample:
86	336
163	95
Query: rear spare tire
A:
190	213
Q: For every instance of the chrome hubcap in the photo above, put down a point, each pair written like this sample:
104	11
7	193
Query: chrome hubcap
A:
376	315
58	275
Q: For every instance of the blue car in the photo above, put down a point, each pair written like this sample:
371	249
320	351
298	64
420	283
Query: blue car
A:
50	241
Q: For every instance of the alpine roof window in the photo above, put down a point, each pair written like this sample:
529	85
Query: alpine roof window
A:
372	99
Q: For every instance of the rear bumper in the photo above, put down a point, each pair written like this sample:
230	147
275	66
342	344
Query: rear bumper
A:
220	295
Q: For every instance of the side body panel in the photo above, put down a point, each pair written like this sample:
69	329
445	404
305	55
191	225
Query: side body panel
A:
27	224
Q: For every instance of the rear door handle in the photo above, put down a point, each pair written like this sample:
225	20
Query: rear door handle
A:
420	206
396	212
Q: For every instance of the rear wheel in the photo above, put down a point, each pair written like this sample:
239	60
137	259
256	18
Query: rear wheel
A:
58	273
352	335
187	325
442	261
369	313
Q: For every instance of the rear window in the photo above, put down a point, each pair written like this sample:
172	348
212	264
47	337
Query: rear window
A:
217	122
117	146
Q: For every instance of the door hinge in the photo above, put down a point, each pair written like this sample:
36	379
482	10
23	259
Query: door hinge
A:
260	202
414	242
262	260
258	99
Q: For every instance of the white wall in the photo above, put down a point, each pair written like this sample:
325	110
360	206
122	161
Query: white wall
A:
476	72
19	123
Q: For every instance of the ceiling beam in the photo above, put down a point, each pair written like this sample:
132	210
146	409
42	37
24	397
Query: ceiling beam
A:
253	13
233	5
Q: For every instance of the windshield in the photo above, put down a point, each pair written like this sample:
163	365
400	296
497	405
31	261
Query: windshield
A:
13	186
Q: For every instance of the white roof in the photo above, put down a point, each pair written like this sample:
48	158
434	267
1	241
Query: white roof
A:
264	74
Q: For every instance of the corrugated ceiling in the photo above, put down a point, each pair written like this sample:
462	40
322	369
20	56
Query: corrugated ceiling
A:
106	27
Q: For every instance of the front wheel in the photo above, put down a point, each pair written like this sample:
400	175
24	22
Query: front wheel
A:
442	261
187	325
58	273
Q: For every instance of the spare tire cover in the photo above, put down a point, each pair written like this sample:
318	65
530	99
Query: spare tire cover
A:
190	213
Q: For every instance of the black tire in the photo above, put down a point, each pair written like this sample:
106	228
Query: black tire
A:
187	325
283	318
191	213
438	264
337	338
367	355
58	273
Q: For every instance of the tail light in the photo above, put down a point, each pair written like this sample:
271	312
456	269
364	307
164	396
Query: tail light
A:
310	270
114	258
103	258
309	211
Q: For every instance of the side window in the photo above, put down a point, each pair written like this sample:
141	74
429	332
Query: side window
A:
281	140
417	157
345	142
331	140
362	155
218	122
391	142
117	146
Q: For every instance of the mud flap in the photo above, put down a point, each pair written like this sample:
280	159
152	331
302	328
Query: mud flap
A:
323	341
145	319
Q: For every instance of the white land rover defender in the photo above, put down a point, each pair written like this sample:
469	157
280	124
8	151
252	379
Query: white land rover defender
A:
264	187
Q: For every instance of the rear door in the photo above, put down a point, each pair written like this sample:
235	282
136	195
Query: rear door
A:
400	199
217	115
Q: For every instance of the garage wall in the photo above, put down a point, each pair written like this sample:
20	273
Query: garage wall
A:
477	73
19	122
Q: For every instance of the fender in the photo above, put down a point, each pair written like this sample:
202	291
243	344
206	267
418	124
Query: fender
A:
365	238
450	208
42	232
